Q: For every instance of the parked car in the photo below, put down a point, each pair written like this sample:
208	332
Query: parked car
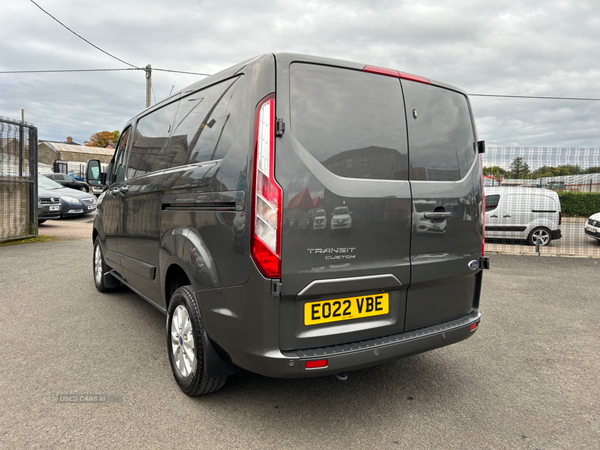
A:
49	207
341	219
523	214
592	226
68	181
73	202
249	139
79	176
320	222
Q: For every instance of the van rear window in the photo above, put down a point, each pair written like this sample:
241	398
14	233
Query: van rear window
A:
353	122
441	137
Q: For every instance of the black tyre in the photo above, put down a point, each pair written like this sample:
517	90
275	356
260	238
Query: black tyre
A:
41	221
540	233
185	344
102	281
83	189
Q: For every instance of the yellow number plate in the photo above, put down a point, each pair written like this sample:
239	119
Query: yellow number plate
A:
346	308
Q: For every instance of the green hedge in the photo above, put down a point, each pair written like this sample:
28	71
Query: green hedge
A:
579	203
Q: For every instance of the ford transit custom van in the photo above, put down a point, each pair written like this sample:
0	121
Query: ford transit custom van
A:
220	206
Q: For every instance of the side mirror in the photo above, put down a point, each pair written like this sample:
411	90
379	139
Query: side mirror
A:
93	173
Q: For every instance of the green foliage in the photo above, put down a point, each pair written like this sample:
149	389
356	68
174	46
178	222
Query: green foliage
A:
519	169
579	203
495	171
595	169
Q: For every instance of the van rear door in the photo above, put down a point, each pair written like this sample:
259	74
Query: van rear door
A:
344	149
446	182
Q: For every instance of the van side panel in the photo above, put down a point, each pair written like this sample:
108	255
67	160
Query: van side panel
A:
205	197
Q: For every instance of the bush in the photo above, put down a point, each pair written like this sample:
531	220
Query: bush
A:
579	203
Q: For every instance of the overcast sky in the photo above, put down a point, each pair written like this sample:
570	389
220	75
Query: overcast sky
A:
535	48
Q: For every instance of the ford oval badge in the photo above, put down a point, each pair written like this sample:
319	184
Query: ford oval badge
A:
474	264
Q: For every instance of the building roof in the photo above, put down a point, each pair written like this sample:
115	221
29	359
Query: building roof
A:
60	147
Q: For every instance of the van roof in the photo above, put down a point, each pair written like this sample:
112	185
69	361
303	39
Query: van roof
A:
291	57
490	190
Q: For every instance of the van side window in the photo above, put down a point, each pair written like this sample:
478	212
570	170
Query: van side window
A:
206	124
352	122
491	202
148	150
118	169
441	137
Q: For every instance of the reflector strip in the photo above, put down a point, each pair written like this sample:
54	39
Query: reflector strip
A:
316	364
474	326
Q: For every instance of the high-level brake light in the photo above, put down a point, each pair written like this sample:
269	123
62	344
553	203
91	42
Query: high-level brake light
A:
266	194
395	73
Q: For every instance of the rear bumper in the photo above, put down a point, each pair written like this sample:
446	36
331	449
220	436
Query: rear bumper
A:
358	355
556	234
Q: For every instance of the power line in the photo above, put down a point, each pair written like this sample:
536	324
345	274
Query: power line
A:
81	37
47	121
67	70
180	71
101	70
535	97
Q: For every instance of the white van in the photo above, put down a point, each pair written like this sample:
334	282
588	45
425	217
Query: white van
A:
519	213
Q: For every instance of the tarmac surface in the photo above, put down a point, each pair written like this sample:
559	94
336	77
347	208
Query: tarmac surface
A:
527	379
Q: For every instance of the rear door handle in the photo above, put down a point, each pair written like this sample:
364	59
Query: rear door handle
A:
494	216
506	215
115	191
124	189
438	215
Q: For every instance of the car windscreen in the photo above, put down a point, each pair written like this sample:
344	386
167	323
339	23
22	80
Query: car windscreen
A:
352	122
47	183
340	211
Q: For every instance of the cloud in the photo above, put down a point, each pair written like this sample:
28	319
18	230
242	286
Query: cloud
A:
539	48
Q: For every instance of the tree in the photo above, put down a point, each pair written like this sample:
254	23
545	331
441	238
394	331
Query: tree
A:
519	168
495	171
102	138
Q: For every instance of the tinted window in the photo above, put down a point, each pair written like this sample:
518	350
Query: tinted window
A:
491	202
207	124
118	168
441	139
148	148
352	122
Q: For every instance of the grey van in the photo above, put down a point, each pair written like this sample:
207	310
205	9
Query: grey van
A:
204	200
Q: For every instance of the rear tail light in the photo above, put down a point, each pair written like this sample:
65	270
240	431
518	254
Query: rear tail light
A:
266	194
395	73
474	326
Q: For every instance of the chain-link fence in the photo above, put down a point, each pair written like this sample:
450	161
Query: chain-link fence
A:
543	199
18	180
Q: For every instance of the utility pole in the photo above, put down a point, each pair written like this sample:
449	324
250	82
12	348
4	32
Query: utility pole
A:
148	70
